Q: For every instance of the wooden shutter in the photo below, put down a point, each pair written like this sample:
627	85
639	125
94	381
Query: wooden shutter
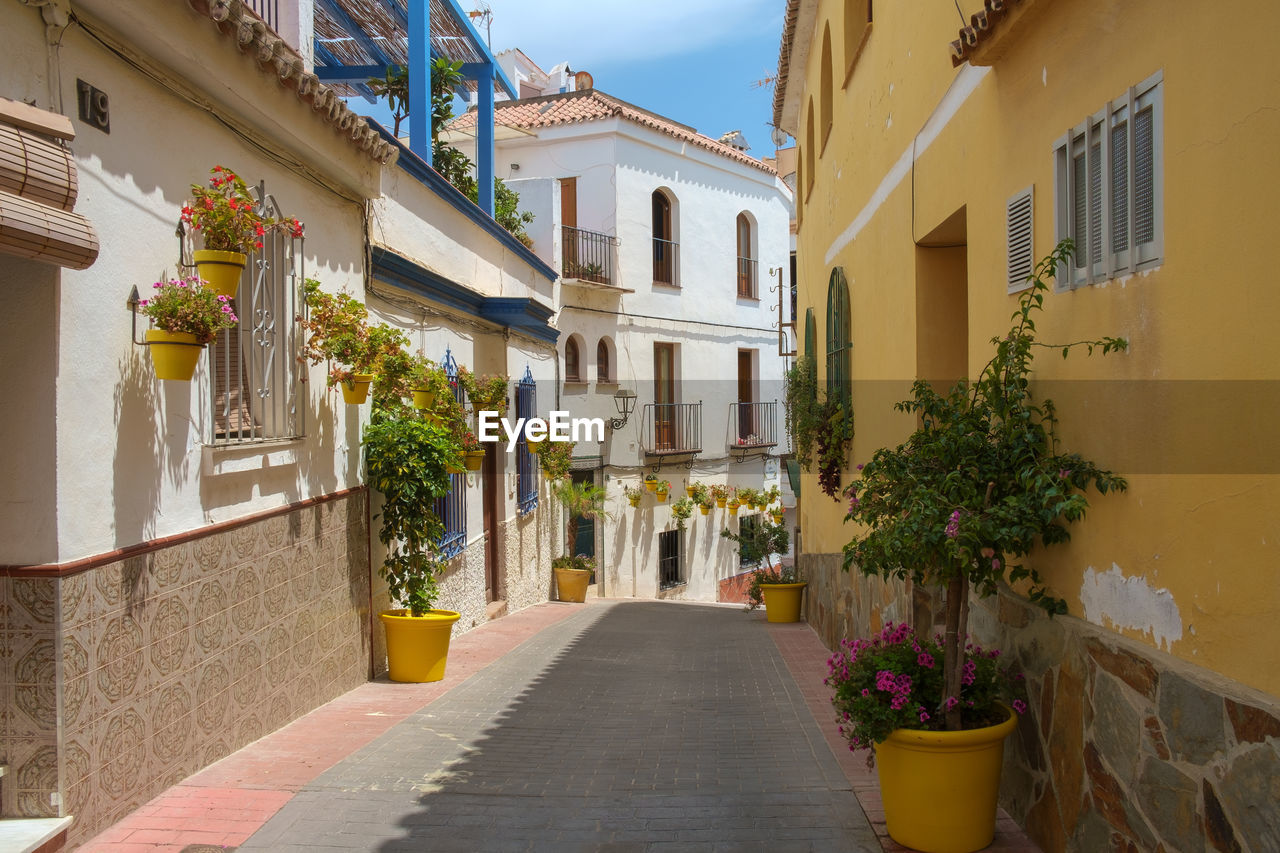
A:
1020	238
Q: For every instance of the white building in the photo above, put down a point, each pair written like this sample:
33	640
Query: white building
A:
671	246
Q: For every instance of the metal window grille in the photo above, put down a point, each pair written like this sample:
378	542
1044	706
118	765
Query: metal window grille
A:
1108	187
254	368
669	573
268	11
838	345
747	275
526	477
452	508
665	253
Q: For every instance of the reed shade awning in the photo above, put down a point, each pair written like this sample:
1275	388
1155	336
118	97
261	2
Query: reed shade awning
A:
38	189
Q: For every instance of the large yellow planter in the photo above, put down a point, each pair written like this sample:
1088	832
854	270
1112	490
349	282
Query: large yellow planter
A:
782	601
417	646
940	788
571	584
356	389
174	355
220	270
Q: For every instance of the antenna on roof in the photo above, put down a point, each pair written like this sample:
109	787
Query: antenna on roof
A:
767	81
484	15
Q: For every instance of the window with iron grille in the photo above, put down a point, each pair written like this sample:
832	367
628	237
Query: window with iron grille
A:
838	346
526	476
1108	187
669	573
254	367
746	529
452	508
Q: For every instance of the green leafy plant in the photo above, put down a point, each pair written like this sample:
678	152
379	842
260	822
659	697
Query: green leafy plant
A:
680	511
699	492
633	494
720	493
976	486
747	495
757	543
225	214
407	459
337	330
578	562
580	500
833	445
802	404
556	458
664	487
485	392
183	305
395	88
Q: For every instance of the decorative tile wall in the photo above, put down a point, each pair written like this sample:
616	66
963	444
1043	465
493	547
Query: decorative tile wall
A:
167	662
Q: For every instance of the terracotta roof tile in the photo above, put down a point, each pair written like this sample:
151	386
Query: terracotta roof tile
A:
594	105
983	27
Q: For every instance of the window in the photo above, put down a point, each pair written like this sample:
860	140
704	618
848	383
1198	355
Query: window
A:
810	335
526	478
254	367
1108	187
664	245
824	89
1020	238
857	20
572	360
747	557
838	346
747	264
603	365
669	574
452	508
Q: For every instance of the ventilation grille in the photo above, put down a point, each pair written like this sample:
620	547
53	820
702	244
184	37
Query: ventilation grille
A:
1021	233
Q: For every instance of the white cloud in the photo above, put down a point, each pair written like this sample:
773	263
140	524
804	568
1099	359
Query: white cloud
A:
586	33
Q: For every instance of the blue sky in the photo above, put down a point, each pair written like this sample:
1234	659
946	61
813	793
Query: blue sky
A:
690	60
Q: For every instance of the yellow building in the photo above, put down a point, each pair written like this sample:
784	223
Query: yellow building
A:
935	167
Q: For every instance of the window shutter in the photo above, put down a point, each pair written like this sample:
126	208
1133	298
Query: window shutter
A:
1079	201
1095	205
1020	234
1120	187
1144	201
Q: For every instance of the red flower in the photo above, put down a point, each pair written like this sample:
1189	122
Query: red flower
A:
259	230
208	204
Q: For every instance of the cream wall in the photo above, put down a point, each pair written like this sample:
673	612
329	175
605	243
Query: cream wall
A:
1182	561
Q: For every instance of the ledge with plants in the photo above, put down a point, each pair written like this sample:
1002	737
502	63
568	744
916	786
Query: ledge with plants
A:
957	507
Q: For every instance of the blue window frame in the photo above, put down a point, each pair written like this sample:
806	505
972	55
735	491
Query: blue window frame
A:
526	476
452	508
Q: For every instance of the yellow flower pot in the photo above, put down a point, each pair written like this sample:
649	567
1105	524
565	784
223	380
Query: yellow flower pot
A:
634	501
720	502
782	601
473	460
571	584
733	509
174	355
356	389
662	497
688	490
423	399
534	446
454	468
220	270
706	510
417	646
651	485
777	518
940	788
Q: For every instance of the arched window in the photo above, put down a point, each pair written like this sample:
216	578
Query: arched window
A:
857	15
603	371
810	335
746	257
810	153
664	241
572	361
838	344
825	85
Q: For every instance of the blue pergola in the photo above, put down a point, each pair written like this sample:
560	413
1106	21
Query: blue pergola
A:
357	40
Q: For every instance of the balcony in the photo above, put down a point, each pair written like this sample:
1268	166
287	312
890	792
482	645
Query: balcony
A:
748	275
672	429
589	256
666	256
753	428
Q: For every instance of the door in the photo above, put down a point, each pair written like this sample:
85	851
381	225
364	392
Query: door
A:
746	396
664	396
586	540
569	219
492	589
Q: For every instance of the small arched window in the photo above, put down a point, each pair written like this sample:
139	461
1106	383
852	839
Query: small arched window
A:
603	373
857	17
664	241
838	344
825	86
746	258
572	361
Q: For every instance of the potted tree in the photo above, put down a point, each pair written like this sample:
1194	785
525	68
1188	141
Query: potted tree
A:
186	316
573	572
969	493
778	588
226	215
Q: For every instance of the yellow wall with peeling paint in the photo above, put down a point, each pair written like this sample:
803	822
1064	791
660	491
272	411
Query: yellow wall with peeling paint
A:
1189	414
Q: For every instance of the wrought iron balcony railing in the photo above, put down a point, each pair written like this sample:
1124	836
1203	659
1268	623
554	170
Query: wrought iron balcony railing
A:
670	428
753	425
748	272
666	256
589	255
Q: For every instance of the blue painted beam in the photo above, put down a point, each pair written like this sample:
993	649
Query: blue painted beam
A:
419	35
485	154
333	65
351	73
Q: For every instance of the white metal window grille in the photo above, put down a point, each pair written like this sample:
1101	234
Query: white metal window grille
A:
1020	233
1108	186
254	368
452	508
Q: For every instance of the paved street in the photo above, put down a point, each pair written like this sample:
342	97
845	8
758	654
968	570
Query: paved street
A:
628	726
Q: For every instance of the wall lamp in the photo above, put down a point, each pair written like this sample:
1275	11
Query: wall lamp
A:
625	401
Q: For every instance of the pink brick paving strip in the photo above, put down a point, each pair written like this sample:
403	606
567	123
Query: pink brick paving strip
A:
806	658
227	802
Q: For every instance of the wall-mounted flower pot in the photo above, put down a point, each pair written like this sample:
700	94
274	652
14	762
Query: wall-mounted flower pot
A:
534	445
651	485
777	518
706	510
220	270
720	502
634	501
733	509
417	646
423	399
174	355
662	496
473	460
356	389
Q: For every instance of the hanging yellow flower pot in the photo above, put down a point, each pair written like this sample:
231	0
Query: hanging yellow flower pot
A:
662	496
423	399
220	270
356	389
174	355
474	460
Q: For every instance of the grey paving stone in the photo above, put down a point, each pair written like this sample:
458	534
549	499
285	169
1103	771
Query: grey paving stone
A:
628	726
